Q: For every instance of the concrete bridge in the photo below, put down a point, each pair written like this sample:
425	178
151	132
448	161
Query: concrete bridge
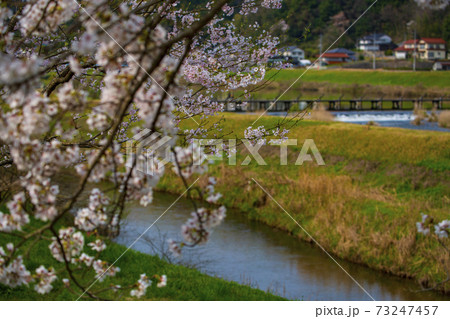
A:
361	104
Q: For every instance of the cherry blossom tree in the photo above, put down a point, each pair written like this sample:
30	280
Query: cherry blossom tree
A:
78	79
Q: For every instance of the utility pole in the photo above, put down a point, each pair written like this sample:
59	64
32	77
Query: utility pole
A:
320	45
320	52
374	66
415	48
408	26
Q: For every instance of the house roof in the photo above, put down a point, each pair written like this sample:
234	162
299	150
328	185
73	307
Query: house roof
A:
290	48
403	49
412	41
335	55
433	40
375	35
342	50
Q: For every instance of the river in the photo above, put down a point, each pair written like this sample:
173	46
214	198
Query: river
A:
400	119
252	253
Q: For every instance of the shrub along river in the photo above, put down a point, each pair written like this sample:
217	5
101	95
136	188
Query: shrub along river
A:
265	258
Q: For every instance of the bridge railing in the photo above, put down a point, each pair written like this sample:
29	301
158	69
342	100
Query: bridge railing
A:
361	104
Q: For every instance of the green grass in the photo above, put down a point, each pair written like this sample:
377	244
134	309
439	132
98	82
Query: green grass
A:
362	205
182	284
347	84
341	76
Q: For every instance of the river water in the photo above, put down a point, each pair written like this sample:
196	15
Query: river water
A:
400	119
252	253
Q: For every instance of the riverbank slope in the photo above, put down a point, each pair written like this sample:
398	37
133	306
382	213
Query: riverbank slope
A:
361	206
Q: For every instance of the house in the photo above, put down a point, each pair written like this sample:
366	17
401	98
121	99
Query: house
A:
441	66
411	44
351	54
402	53
376	42
432	48
425	48
276	59
335	58
293	53
284	60
406	49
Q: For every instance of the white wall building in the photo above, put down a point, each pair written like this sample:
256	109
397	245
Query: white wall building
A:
293	52
375	42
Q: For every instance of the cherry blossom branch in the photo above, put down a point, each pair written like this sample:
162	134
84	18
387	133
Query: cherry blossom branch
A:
120	54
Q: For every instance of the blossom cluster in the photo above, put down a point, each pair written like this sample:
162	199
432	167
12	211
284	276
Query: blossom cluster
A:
72	242
198	228
19	75
260	135
17	218
15	273
109	161
5	13
46	15
103	269
256	135
45	277
141	287
441	229
189	161
95	214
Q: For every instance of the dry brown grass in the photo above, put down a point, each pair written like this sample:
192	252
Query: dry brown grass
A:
433	116
372	123
420	114
320	113
444	119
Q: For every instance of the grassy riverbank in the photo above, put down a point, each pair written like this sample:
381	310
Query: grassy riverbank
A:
362	205
182	284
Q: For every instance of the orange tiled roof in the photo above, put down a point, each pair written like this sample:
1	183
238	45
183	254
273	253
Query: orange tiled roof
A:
433	40
335	55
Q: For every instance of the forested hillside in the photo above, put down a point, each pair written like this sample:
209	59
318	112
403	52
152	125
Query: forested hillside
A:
300	22
310	18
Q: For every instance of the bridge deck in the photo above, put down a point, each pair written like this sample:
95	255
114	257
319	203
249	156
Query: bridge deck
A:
337	104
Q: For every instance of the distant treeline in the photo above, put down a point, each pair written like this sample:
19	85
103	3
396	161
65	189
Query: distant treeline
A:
301	22
307	19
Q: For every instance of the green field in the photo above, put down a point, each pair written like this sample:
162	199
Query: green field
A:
343	76
344	83
362	205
